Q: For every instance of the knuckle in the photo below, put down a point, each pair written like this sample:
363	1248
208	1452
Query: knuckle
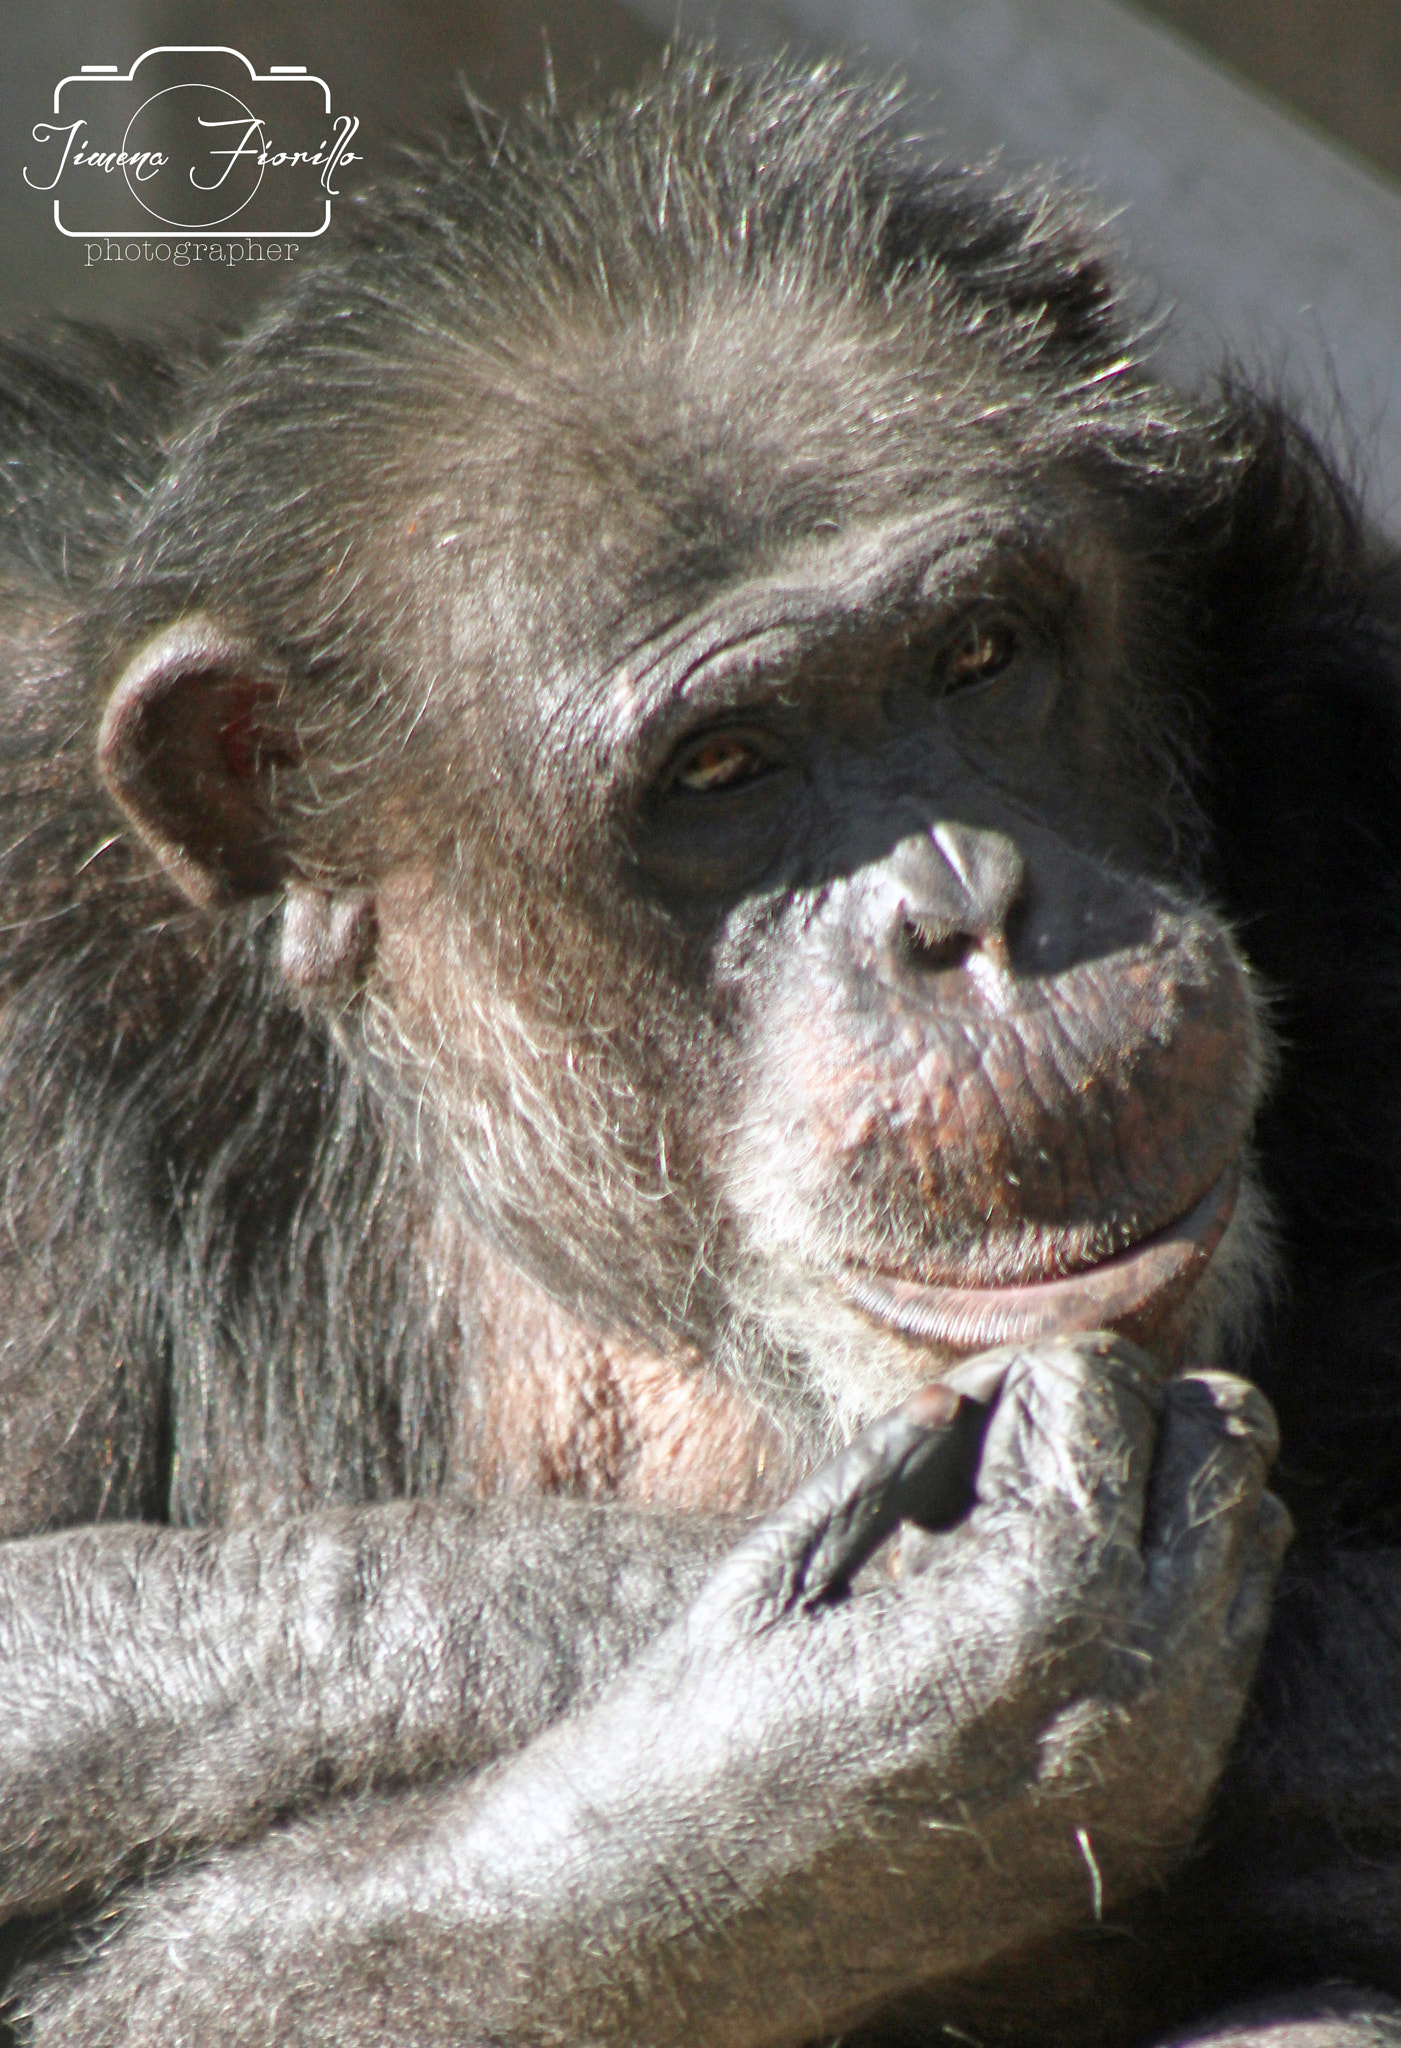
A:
1074	1422
1089	1366
1232	1407
1078	1356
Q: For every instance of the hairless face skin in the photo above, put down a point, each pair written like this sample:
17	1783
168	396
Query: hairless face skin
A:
698	941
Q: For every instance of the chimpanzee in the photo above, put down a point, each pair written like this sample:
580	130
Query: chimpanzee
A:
677	819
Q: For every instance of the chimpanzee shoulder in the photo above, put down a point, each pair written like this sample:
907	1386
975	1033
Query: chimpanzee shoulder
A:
172	1128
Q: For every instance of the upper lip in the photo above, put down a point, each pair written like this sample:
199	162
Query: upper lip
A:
1131	1290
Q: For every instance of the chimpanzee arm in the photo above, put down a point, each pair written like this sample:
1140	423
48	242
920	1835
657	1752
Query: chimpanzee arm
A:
162	1690
803	1797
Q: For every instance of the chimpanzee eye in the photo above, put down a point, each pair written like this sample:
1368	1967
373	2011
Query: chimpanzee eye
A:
724	762
982	647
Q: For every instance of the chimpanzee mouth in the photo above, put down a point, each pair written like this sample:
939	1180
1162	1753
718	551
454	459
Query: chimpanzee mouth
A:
1132	1290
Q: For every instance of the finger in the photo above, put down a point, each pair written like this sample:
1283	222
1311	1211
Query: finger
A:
981	1378
917	1461
1204	1412
1071	1438
1248	1621
1206	1528
1194	1649
915	1465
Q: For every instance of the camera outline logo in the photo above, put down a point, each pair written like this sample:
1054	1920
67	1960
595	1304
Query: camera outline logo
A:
202	141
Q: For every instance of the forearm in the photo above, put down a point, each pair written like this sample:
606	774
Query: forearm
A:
177	1688
602	1886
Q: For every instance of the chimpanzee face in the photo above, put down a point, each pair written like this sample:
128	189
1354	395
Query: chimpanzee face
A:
776	909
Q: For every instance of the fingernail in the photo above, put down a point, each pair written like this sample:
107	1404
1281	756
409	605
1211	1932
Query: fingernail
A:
933	1407
980	1379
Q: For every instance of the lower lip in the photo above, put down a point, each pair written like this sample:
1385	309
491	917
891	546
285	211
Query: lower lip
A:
1131	1292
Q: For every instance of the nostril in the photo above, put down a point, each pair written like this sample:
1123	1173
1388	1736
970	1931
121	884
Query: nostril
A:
931	945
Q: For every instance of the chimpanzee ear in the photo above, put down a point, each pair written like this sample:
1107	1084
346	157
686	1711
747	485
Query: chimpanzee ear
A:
191	745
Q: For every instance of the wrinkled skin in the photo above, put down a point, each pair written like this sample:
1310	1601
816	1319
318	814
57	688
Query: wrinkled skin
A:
1106	1601
622	847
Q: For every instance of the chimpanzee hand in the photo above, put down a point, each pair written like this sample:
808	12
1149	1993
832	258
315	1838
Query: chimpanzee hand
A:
802	1797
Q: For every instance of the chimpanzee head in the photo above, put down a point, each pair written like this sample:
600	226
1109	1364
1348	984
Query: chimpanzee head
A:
694	620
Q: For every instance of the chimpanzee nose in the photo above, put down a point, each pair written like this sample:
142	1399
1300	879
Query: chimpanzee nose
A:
956	887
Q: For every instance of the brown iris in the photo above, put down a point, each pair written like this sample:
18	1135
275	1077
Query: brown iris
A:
980	650
720	764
